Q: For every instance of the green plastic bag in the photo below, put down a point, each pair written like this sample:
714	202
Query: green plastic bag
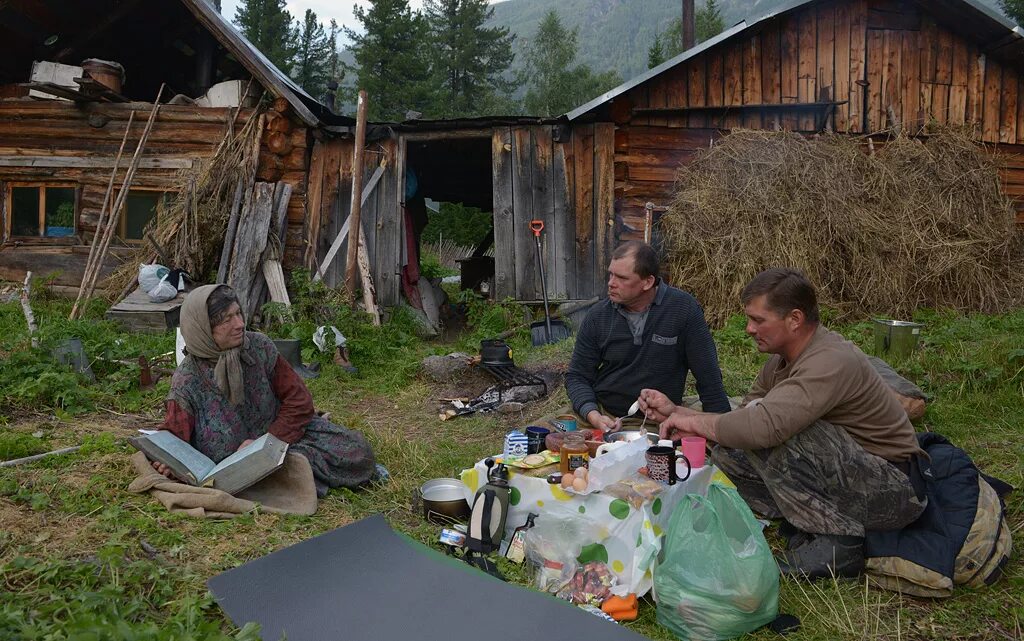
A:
718	579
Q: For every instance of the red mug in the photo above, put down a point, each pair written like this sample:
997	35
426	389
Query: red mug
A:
661	464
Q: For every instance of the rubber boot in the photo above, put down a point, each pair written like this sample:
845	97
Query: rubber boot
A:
825	555
793	536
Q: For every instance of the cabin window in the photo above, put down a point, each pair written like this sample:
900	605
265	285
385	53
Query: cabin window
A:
140	208
46	211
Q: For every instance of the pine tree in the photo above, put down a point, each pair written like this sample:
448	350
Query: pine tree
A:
656	54
268	26
390	59
467	59
708	21
337	72
1014	9
554	85
312	57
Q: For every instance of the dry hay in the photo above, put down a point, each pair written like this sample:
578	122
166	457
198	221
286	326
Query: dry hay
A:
914	223
192	226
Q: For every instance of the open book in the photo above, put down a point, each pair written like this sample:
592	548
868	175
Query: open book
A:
235	473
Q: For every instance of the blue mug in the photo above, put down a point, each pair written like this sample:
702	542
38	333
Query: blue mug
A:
566	422
535	439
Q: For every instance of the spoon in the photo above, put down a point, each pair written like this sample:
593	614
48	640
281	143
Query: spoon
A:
633	409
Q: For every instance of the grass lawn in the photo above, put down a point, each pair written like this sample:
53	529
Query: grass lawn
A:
81	558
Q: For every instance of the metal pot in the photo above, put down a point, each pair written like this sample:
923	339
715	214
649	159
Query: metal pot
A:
626	436
443	501
494	351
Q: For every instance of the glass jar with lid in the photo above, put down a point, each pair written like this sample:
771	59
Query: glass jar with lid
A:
574	453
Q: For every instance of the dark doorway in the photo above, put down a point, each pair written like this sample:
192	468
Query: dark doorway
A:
449	196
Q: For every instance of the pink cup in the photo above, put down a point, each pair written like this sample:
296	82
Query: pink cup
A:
693	450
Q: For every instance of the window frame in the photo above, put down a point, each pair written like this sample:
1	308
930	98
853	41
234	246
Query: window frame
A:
122	223
42	186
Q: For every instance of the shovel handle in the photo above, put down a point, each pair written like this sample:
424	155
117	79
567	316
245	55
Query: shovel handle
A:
537	226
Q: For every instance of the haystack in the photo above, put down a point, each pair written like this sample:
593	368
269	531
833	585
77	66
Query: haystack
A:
916	222
191	227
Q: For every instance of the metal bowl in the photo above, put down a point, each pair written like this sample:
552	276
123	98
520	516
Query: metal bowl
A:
630	435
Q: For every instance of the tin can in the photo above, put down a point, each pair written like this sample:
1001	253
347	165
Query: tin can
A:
452	537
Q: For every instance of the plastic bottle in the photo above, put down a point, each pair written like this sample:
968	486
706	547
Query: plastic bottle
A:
574	454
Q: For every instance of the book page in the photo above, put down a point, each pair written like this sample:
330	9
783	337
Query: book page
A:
245	452
168	449
248	465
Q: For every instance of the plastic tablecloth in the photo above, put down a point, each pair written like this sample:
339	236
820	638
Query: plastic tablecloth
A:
626	538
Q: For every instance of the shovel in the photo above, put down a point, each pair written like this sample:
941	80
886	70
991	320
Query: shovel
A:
549	331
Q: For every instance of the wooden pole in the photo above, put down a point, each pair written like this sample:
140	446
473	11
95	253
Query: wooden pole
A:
26	308
689	27
36	457
357	201
343	234
114	215
106	197
229	235
88	285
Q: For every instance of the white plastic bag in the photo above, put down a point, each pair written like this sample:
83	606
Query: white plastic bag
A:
320	338
163	292
151	275
617	463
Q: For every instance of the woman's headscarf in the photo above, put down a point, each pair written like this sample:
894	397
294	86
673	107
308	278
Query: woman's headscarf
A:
195	327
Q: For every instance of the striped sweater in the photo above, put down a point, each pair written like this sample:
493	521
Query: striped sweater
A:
610	368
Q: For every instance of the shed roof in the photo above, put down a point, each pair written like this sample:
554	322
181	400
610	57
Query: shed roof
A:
155	40
311	110
972	18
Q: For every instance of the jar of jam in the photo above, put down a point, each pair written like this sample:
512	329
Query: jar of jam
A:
574	453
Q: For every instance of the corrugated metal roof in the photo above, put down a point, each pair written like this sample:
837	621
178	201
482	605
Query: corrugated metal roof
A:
971	18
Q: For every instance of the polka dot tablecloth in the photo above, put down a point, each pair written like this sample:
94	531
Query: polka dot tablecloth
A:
626	538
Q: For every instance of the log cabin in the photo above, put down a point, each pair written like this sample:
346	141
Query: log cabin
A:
852	66
857	67
58	143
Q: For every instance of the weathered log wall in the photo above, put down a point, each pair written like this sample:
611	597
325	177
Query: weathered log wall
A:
888	61
566	184
885	60
91	136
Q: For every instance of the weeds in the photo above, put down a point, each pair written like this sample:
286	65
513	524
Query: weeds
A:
71	555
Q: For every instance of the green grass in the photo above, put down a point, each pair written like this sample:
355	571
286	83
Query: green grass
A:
82	558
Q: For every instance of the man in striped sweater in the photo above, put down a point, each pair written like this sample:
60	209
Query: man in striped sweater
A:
646	334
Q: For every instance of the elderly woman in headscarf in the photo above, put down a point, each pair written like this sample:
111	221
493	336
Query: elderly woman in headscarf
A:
233	387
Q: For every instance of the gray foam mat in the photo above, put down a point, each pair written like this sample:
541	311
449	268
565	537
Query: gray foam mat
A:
364	581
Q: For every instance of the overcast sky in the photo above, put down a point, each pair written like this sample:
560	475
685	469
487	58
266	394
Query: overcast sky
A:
340	10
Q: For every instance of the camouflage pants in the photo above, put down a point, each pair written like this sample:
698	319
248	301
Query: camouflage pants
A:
823	482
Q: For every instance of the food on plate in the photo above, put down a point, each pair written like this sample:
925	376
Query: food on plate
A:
534	459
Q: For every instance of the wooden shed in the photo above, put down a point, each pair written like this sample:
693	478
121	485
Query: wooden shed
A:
849	66
58	145
521	169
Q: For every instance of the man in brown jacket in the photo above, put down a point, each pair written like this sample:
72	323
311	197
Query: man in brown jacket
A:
819	441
